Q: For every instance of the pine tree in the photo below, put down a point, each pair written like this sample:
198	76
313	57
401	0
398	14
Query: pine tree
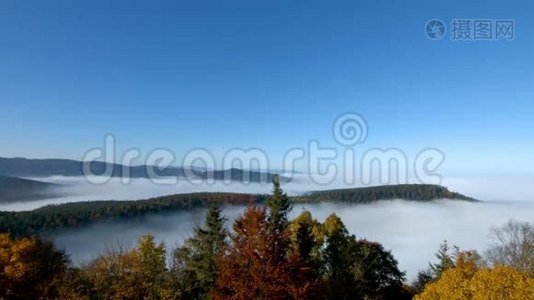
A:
277	221
446	256
279	207
194	263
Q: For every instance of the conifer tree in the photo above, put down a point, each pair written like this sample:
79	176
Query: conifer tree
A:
277	221
194	263
279	207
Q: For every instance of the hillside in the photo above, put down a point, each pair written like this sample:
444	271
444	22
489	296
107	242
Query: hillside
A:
23	167
73	214
422	192
17	189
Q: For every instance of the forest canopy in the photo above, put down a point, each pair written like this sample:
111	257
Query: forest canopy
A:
44	219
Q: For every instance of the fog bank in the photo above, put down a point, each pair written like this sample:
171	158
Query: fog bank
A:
75	189
412	230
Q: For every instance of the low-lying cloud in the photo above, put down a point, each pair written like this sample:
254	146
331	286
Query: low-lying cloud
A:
412	230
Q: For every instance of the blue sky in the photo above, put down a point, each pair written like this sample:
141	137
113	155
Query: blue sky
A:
266	74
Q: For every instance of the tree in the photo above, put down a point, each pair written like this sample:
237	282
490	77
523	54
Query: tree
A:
303	260
194	263
30	268
513	246
446	256
358	269
502	282
376	271
279	207
133	274
248	268
340	282
467	280
298	234
152	265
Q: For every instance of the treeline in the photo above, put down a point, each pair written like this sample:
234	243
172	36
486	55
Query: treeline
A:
42	220
22	167
267	256
421	192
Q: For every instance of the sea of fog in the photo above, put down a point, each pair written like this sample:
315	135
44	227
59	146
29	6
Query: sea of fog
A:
75	189
411	230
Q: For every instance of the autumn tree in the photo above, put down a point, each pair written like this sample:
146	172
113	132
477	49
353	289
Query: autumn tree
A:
248	268
132	274
194	268
30	268
151	265
305	219
467	280
340	282
304	259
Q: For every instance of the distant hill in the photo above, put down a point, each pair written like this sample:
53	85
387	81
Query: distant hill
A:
17	189
73	214
421	192
23	167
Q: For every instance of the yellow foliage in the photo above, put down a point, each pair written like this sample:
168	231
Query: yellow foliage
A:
28	267
134	274
467	281
306	218
502	283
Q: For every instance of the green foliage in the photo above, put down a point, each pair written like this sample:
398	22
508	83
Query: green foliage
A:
53	217
194	270
420	192
446	259
279	207
376	270
277	222
358	268
446	256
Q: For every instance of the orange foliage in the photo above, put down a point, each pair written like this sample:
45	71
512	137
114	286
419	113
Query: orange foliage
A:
248	269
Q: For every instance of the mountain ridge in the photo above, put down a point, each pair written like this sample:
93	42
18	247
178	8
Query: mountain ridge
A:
36	168
52	217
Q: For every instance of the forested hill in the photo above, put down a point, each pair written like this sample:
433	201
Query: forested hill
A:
52	217
73	214
17	189
23	167
422	192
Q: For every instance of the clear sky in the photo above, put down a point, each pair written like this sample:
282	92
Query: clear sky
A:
266	74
